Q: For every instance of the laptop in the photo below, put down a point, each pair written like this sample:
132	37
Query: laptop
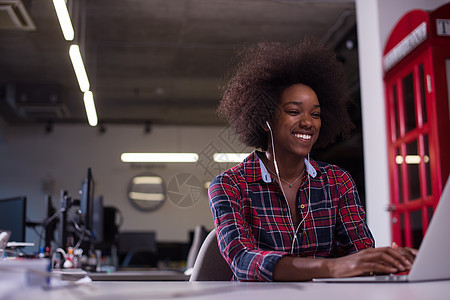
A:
432	261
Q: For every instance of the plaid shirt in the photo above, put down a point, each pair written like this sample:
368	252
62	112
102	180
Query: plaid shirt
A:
254	225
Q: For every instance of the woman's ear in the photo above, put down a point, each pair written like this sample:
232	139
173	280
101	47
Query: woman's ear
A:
266	126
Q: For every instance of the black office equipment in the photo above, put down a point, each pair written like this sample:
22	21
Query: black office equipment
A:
50	221
13	217
137	249
64	205
87	223
87	199
112	220
97	227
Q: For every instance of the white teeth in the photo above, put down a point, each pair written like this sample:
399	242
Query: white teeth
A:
303	136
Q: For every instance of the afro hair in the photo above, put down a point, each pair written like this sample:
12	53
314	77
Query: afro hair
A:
265	70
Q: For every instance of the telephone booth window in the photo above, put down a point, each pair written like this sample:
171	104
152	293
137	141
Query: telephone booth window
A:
409	103
412	165
417	85
422	94
396	111
417	227
402	239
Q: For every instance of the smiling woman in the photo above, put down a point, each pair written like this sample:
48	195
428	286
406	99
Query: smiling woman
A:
281	215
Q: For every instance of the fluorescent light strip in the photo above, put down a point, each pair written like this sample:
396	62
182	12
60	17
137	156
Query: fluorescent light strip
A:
64	19
146	196
89	105
229	157
159	157
78	66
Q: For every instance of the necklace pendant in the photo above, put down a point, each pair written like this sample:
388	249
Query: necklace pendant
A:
290	185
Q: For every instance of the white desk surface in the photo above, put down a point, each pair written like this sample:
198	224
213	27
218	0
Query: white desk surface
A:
110	290
136	275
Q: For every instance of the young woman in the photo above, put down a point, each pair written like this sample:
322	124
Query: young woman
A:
280	215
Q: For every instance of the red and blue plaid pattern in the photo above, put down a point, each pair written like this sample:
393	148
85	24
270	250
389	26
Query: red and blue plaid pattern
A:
254	225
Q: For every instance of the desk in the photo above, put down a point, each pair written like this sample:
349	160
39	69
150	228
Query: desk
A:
107	290
145	275
124	275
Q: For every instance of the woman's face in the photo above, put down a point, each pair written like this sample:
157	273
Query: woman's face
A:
296	124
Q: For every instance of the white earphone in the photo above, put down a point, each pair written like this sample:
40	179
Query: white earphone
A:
274	158
282	190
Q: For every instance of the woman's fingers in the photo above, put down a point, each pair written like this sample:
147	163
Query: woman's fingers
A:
389	260
384	260
407	252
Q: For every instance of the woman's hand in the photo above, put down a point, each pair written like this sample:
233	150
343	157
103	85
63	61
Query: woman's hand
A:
407	252
384	260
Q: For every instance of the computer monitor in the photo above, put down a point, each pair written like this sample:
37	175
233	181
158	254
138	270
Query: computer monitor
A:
13	217
50	221
137	249
87	199
97	220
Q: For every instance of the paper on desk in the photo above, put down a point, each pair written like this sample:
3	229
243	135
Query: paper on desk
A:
18	274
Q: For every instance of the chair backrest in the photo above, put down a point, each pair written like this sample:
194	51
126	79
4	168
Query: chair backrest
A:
210	265
200	233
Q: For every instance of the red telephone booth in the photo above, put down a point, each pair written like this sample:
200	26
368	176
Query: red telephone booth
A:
416	63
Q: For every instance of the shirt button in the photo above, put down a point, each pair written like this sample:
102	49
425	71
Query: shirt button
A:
302	206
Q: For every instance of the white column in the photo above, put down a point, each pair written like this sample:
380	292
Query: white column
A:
373	118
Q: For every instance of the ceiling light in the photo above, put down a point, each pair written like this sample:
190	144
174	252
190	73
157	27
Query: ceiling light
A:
64	19
78	66
159	157
229	157
90	108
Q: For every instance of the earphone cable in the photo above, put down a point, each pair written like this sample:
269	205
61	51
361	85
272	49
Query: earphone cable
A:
282	190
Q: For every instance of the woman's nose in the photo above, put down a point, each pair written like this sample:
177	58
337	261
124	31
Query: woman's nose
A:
305	121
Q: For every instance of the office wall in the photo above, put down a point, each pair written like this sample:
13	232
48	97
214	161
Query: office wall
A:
35	163
375	20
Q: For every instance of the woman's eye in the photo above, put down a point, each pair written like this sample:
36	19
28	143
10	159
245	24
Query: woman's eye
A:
292	112
316	115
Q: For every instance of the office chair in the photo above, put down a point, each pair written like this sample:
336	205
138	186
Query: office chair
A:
210	265
200	234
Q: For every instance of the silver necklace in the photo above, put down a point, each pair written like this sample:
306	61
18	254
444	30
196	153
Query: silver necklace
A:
288	183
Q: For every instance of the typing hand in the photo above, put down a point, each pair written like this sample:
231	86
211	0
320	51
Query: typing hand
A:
385	260
407	252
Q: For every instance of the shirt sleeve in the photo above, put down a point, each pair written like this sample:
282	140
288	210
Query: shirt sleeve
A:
352	231
234	234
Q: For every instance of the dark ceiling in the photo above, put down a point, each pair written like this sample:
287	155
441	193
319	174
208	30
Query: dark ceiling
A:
151	61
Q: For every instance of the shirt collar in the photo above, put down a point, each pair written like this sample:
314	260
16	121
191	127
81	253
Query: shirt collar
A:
264	173
255	169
